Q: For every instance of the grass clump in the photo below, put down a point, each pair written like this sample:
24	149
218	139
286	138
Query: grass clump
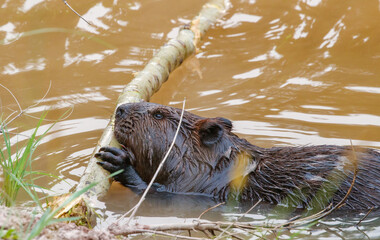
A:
16	166
17	174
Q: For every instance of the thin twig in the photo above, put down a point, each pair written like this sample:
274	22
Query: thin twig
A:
65	2
13	112
295	218
334	233
52	120
312	217
39	101
18	104
205	211
365	216
362	232
22	111
17	134
158	169
126	214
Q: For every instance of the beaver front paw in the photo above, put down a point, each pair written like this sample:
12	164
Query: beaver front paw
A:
115	159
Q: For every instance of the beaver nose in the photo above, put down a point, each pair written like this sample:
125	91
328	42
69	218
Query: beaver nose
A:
122	110
119	112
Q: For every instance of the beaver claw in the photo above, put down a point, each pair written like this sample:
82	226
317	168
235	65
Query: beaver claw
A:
115	159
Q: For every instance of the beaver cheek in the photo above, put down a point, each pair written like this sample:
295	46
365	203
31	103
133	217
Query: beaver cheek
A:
121	136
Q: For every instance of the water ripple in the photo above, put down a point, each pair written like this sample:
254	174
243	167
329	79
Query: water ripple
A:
350	119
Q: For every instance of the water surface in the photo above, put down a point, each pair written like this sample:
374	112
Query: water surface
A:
285	72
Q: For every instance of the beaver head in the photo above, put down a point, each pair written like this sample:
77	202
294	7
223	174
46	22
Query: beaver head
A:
202	146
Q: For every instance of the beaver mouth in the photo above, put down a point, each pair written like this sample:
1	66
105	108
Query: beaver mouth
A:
124	120
122	132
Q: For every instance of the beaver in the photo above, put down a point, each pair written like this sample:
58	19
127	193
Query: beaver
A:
209	159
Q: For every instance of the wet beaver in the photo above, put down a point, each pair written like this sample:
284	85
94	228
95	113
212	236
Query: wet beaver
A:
208	158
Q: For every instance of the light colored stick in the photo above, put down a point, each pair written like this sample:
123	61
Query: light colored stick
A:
68	5
14	97
201	225
205	211
22	111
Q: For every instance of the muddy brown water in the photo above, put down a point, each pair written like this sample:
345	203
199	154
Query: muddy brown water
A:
285	72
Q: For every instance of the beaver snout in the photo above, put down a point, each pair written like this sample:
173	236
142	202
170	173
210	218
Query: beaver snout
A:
120	112
123	110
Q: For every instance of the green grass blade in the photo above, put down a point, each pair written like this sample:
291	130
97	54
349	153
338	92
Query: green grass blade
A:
40	225
27	190
14	170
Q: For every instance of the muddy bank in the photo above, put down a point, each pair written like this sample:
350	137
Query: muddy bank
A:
19	222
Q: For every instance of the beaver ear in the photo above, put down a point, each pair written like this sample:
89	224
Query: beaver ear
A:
209	131
226	123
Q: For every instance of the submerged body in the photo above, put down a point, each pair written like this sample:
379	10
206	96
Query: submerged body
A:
208	158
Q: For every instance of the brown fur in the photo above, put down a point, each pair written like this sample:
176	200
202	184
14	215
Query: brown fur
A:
206	154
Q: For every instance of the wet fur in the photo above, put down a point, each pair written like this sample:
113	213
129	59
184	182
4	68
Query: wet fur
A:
205	153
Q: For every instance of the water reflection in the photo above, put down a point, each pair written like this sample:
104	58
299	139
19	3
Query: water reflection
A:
127	65
238	18
312	3
250	74
266	131
235	102
350	119
68	101
318	107
333	35
209	92
94	16
302	81
92	57
32	65
10	34
300	31
133	6
62	129
364	89
276	31
29	4
272	54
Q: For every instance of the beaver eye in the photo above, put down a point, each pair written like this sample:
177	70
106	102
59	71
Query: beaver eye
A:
158	115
